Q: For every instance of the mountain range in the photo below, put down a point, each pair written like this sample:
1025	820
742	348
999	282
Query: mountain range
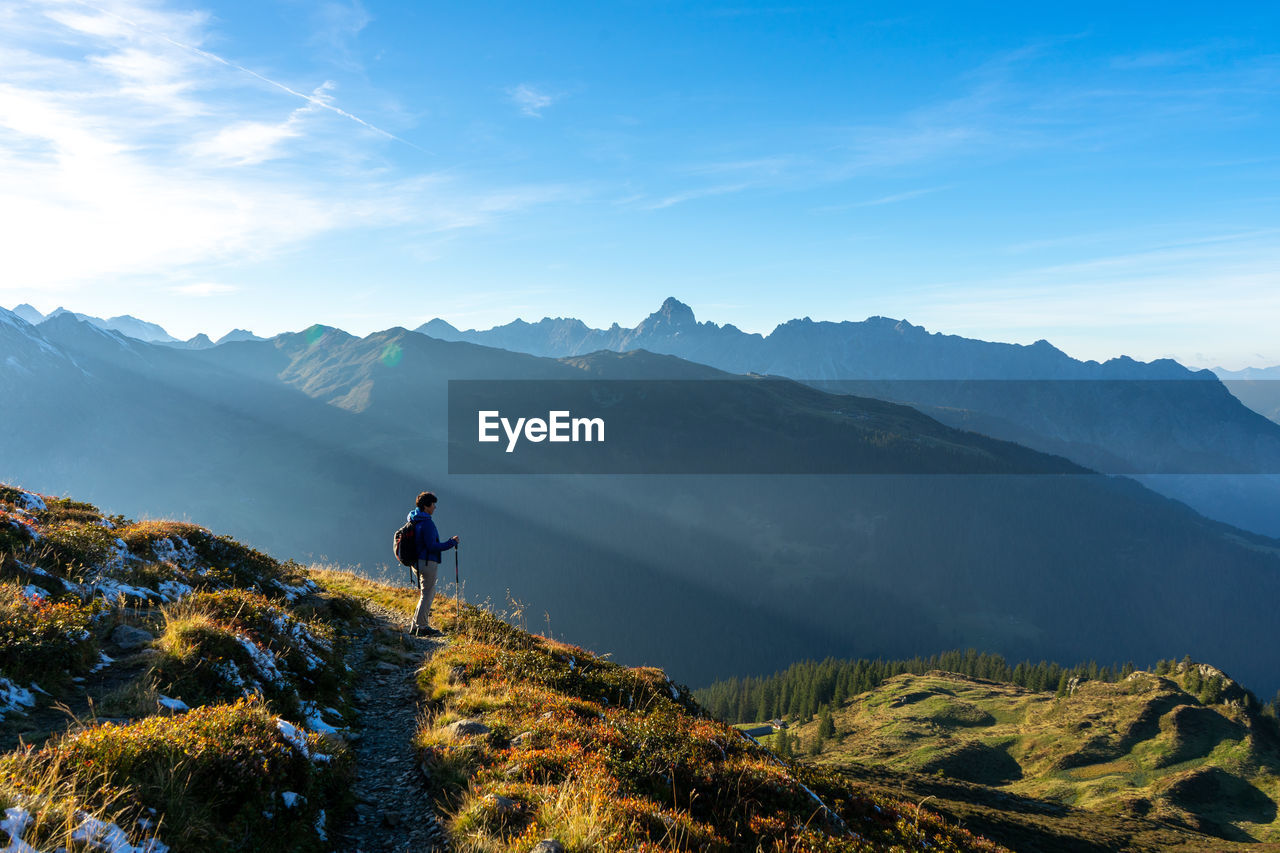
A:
134	328
277	441
1181	432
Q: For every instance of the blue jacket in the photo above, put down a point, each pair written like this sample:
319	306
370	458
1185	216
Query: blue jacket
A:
426	537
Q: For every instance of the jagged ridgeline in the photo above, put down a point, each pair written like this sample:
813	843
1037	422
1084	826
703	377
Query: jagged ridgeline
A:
165	688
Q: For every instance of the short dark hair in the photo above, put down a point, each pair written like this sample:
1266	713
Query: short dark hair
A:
425	500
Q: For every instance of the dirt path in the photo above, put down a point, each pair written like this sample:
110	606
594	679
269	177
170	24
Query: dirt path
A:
393	811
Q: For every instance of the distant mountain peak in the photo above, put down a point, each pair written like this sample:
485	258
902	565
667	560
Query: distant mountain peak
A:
11	318
238	335
672	314
125	324
28	313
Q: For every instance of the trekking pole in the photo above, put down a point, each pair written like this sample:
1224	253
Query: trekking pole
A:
457	586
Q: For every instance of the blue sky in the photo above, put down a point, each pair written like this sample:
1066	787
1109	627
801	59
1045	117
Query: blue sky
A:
1101	175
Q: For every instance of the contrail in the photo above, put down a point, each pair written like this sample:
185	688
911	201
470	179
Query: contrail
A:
312	99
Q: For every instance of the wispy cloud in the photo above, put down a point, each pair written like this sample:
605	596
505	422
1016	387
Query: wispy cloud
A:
337	26
128	150
1218	289
531	100
206	288
114	21
247	143
690	195
888	199
1162	58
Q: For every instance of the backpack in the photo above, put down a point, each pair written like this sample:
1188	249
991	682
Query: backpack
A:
405	544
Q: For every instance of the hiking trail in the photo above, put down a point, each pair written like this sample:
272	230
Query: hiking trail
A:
394	812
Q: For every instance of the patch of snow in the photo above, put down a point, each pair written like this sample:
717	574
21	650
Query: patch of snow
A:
17	365
103	662
111	838
13	697
675	694
31	502
119	556
35	570
37	688
22	523
15	823
229	673
176	550
293	593
31	591
291	799
263	661
298	738
173	704
303	640
110	588
174	590
573	663
320	826
312	717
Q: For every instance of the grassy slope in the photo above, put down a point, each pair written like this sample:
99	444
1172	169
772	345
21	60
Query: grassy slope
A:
602	756
251	645
606	757
1110	760
607	746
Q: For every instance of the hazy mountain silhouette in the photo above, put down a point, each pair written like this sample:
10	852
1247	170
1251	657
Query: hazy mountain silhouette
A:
1160	420
1256	387
125	324
314	443
238	335
28	313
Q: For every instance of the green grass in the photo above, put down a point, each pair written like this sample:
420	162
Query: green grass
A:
612	758
1117	748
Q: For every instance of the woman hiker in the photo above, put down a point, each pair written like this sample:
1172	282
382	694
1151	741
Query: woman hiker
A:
427	538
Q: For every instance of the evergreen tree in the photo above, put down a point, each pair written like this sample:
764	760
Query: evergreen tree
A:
1211	692
1193	681
826	724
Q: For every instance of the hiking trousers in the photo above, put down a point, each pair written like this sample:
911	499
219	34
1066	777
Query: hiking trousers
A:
426	573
